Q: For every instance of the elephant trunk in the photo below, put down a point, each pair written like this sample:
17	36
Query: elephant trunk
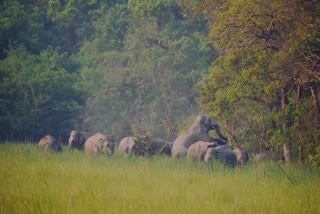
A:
216	127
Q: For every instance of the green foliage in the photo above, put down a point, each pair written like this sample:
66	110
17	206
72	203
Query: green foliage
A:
111	29
37	25
268	67
314	158
37	92
145	81
144	7
139	65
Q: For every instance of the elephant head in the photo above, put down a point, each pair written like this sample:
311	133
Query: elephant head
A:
208	124
99	144
129	146
223	154
106	145
242	156
77	139
49	143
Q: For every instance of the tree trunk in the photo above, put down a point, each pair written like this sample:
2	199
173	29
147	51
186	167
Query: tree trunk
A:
315	103
287	152
299	124
287	144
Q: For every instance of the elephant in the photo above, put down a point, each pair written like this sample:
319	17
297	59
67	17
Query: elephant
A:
199	131
263	156
129	146
144	146
222	153
242	156
99	144
49	143
158	146
198	150
77	139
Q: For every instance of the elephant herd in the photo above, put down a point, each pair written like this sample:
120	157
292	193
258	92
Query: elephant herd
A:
194	143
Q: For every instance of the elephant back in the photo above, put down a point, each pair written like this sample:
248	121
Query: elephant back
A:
99	144
263	156
224	154
198	150
158	146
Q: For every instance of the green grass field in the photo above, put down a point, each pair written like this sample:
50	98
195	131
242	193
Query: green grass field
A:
33	182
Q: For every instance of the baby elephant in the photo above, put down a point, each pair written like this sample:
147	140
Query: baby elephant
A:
263	156
99	144
242	156
223	153
129	146
159	146
49	143
198	150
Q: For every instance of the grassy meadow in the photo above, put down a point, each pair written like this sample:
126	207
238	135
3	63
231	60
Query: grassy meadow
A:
71	182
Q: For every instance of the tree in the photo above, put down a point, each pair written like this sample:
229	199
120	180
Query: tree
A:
148	81
265	50
37	95
38	25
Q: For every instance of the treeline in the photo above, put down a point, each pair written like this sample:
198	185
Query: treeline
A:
109	66
265	84
150	66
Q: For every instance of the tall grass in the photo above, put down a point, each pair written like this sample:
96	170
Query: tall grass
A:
71	182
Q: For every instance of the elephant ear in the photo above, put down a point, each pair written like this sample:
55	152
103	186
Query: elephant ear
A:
82	139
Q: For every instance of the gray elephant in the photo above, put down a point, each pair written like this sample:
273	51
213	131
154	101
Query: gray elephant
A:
222	153
199	131
198	150
129	146
242	156
99	144
263	156
49	143
158	146
77	139
144	146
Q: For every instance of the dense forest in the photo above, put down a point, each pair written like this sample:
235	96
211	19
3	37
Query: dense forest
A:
150	66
